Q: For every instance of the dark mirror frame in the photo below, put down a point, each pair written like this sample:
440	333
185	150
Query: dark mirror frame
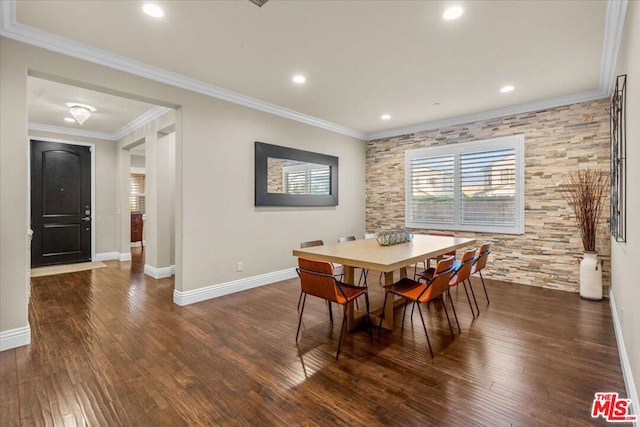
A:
264	198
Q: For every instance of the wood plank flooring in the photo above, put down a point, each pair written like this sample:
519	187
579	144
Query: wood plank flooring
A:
110	348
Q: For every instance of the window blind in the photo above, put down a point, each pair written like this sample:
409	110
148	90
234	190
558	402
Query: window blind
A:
136	192
471	186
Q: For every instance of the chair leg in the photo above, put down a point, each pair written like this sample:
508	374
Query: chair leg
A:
304	299
444	305
299	300
474	296
404	312
382	314
344	325
464	285
425	330
454	309
484	287
366	300
330	314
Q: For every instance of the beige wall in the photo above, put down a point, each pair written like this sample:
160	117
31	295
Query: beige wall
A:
106	184
137	161
556	140
217	224
625	281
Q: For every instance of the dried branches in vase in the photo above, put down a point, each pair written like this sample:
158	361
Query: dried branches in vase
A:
584	190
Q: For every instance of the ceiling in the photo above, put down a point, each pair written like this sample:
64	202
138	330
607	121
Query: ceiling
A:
361	59
47	101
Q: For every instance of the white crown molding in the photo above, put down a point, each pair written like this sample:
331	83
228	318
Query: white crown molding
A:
627	374
140	121
614	27
215	291
159	273
491	114
43	127
23	33
15	338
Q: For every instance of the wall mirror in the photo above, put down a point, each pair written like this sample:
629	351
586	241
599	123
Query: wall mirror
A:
290	177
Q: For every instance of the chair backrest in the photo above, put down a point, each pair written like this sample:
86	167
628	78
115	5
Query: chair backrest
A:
311	244
440	282
370	235
464	271
483	256
316	278
445	234
346	239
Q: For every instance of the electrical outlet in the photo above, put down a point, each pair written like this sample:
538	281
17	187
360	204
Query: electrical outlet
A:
240	267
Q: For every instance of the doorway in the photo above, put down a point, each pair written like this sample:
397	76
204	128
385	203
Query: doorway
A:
61	195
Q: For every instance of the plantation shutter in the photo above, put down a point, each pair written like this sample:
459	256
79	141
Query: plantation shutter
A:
136	192
432	190
487	184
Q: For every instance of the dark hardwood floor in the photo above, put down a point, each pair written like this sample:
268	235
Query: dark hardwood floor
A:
110	348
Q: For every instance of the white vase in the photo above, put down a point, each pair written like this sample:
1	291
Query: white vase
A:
591	276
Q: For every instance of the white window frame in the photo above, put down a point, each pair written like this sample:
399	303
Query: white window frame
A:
514	141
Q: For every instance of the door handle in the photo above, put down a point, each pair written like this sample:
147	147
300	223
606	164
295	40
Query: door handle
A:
86	218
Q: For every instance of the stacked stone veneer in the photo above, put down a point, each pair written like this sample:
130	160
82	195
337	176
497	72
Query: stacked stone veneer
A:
556	141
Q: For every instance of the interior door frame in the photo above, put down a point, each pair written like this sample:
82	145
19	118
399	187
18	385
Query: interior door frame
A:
92	149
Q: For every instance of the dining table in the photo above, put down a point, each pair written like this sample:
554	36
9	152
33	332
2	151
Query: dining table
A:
369	254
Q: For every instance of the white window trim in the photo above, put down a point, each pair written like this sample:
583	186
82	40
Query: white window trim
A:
512	141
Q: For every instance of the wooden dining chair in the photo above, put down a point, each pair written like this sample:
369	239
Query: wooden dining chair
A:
317	278
428	270
480	263
419	293
338	270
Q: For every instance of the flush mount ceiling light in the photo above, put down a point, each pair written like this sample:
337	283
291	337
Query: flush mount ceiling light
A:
299	78
153	10
507	89
80	112
258	3
385	116
454	12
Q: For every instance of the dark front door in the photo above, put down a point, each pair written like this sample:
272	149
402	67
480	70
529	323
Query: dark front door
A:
60	203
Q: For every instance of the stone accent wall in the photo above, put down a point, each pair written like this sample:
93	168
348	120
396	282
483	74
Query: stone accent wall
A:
556	140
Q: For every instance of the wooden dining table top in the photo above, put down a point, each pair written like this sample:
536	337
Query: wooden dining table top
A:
367	253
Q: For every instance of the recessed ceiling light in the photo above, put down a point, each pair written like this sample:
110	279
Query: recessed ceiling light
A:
454	12
299	78
507	89
385	116
69	119
153	10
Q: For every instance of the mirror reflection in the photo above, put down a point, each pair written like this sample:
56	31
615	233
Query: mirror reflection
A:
285	176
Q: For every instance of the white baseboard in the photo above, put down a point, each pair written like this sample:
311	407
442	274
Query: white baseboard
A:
106	256
159	273
629	383
15	338
214	291
124	256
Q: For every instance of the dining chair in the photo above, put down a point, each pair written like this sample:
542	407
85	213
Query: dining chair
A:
338	270
317	278
461	274
427	270
480	263
419	293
